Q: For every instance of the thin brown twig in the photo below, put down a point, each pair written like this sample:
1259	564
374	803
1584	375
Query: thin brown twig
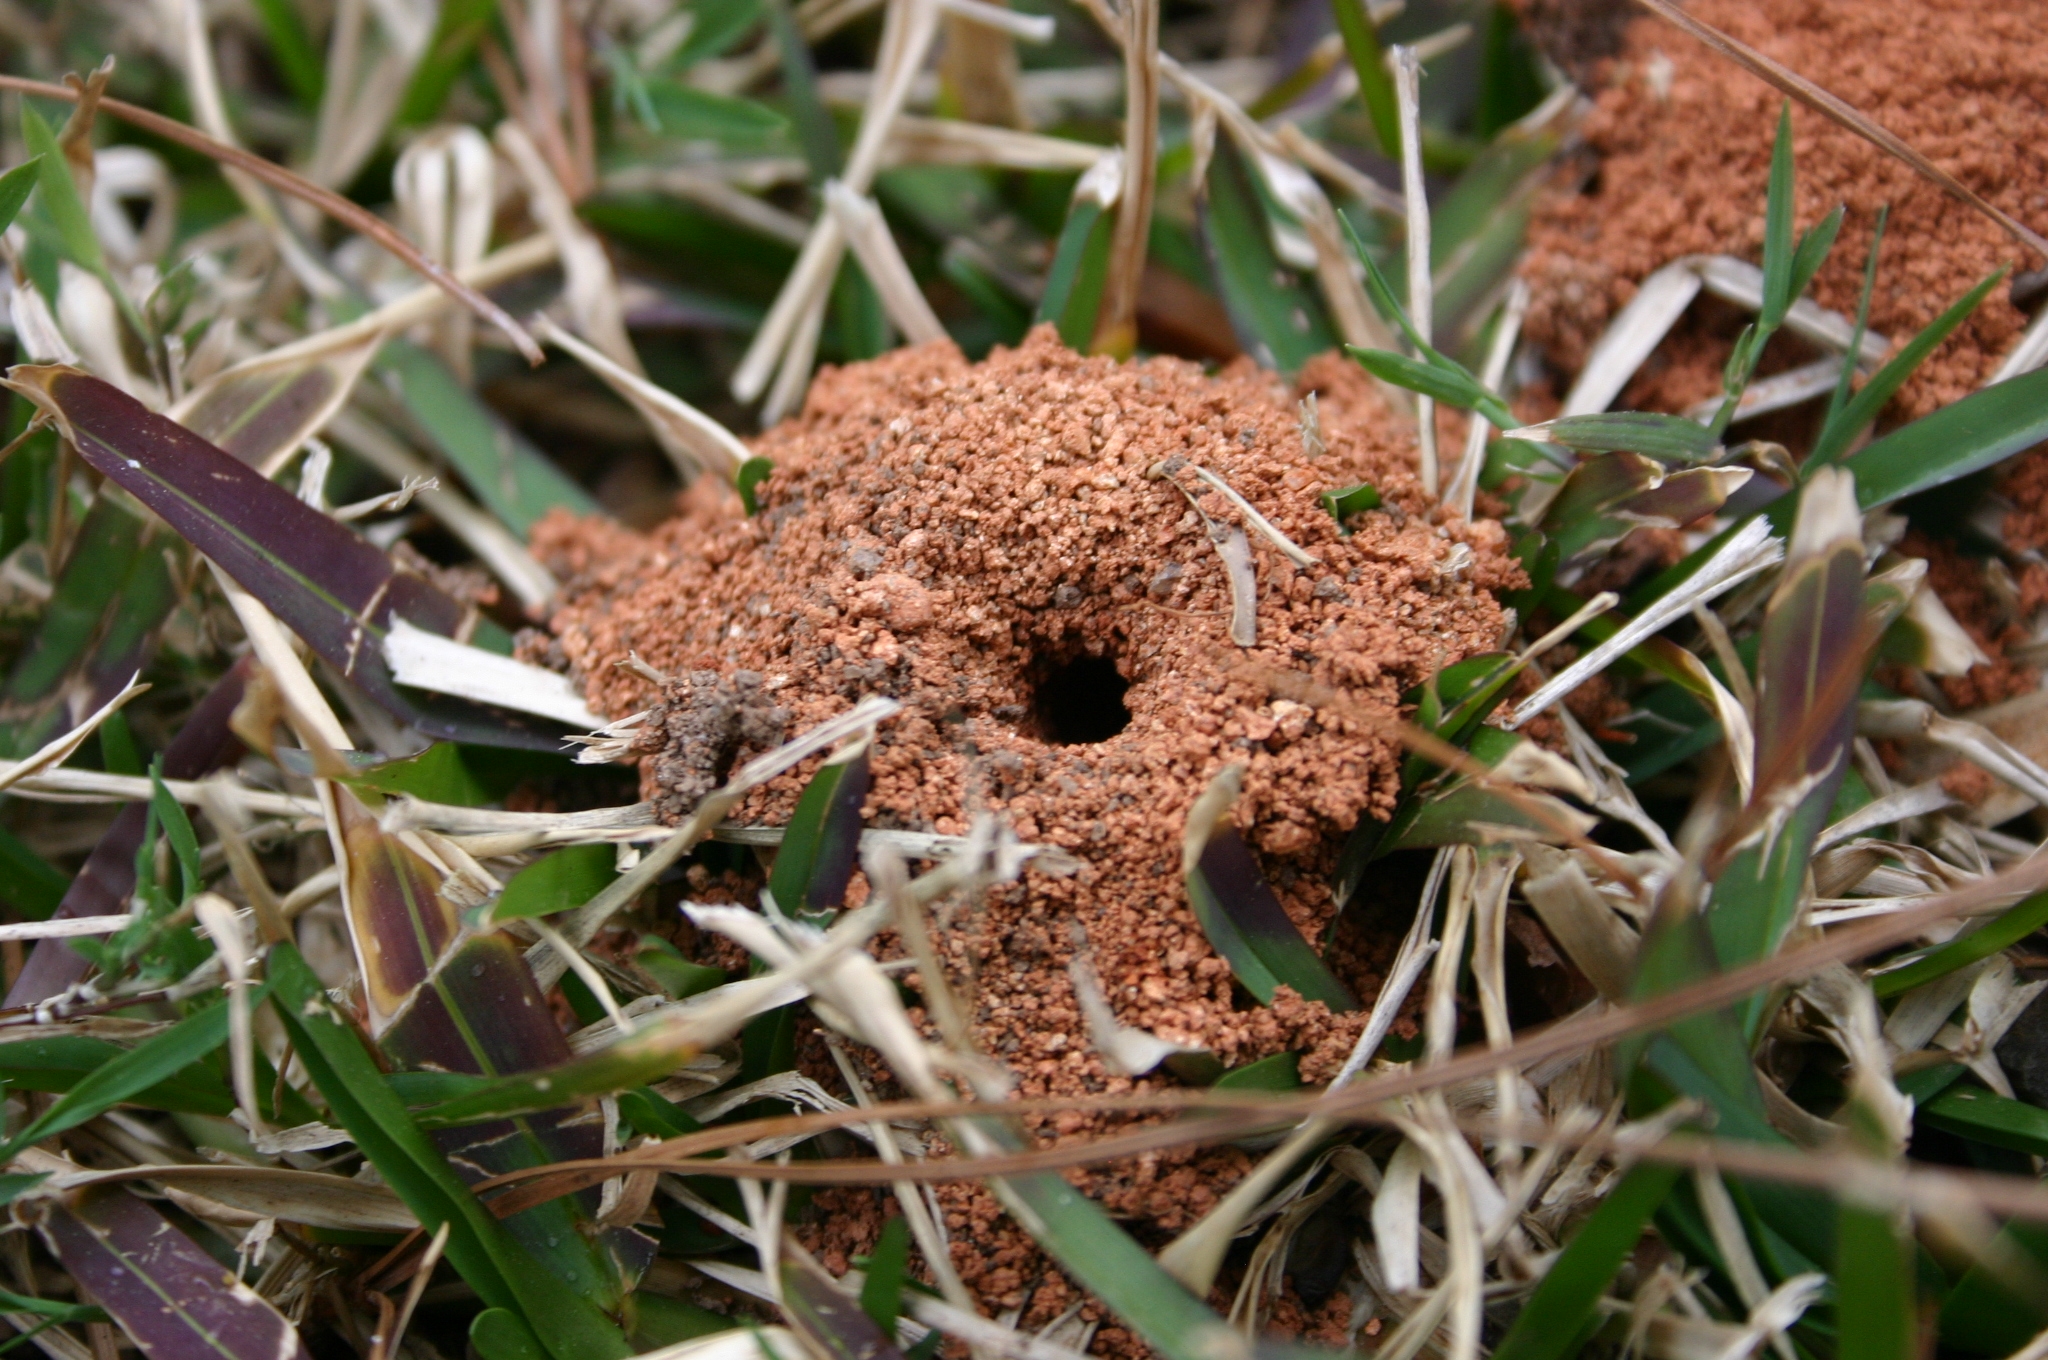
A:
351	215
1847	115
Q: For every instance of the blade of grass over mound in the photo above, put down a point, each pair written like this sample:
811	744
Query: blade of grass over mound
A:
1432	374
1967	436
333	588
165	1291
1844	424
504	1275
1237	910
1669	439
1562	1314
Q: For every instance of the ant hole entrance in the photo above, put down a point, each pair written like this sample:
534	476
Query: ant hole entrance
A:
1079	700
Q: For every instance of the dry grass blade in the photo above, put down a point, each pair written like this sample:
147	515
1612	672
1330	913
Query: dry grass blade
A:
1819	100
326	200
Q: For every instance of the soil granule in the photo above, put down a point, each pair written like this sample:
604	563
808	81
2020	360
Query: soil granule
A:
1683	140
971	537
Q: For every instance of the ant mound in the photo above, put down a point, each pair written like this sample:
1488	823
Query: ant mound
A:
1025	553
1683	141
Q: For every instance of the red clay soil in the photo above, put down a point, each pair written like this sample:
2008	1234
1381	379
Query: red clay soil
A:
953	533
1683	140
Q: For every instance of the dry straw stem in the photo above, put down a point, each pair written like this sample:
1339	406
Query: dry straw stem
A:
1421	292
789	333
326	200
1116	331
867	234
1829	106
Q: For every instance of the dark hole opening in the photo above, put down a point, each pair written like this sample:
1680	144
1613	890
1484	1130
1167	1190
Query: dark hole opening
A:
1081	700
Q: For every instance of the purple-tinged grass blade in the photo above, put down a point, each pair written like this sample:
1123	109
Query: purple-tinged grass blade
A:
165	1291
480	1012
1237	910
399	920
1682	497
205	743
830	1318
331	586
1813	647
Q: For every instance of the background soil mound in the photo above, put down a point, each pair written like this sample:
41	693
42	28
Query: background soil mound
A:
1684	140
984	543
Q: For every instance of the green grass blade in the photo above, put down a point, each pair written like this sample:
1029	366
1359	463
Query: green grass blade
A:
60	197
567	878
1875	1292
1973	1112
1846	383
687	113
1669	439
646	1056
1778	245
1278	318
150	1064
1967	436
1238	913
2006	929
1080	264
1375	86
462	25
1557	1316
1446	381
177	826
292	49
15	187
514	480
751	474
1862	408
503	1275
1076	1232
881	1293
60	1062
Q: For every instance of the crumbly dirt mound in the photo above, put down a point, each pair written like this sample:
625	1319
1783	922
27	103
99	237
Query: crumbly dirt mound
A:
983	542
1684	138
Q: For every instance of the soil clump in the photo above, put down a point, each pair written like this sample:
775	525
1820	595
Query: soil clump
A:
1683	143
1014	550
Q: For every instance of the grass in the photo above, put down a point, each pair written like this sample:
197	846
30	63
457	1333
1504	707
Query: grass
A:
1764	1133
